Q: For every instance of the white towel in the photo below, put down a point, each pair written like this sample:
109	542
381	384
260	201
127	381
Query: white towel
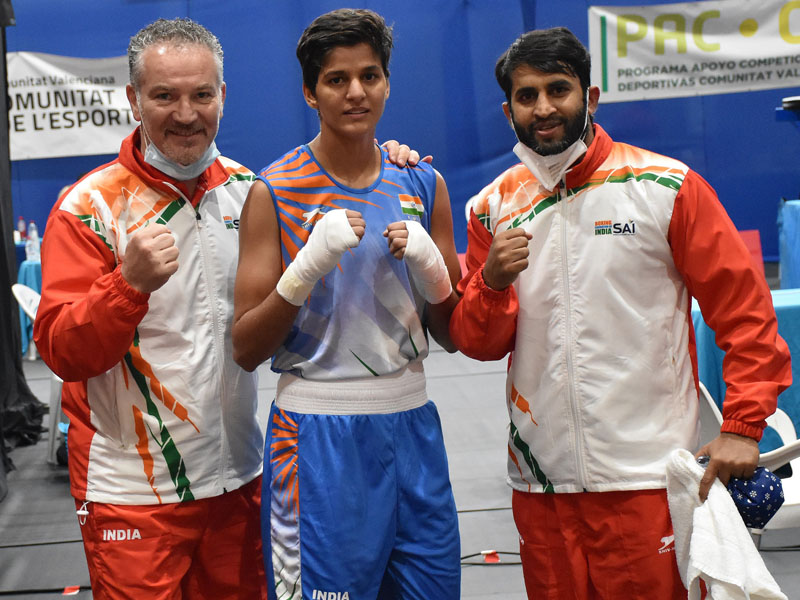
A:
711	540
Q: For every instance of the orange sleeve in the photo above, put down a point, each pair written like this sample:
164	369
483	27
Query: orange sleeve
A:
735	302
88	313
484	322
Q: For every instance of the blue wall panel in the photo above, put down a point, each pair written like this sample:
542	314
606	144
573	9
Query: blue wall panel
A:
444	99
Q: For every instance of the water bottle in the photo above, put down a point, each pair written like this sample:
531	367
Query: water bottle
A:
21	228
32	243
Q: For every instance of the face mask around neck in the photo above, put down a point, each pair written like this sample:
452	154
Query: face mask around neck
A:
154	157
549	170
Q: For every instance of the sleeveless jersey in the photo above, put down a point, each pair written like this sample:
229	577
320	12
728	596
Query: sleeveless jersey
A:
364	317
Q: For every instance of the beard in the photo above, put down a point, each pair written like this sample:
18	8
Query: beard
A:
573	129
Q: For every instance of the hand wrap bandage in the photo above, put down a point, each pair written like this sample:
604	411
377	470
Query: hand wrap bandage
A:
331	237
426	264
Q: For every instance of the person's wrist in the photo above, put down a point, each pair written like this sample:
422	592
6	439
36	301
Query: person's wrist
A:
292	287
126	289
488	286
489	282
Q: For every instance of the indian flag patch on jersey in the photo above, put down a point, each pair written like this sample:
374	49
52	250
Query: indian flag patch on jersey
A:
411	205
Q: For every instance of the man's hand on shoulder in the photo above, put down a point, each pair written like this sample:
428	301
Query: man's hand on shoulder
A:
402	155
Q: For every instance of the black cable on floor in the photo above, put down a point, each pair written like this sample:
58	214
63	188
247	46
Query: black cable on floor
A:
482	563
474	510
465	563
59	590
32	544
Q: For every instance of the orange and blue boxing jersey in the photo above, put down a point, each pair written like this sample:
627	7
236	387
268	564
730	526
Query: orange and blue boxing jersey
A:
364	317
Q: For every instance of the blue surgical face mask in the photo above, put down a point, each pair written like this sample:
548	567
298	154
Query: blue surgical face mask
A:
154	157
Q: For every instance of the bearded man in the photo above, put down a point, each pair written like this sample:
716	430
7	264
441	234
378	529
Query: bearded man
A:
582	263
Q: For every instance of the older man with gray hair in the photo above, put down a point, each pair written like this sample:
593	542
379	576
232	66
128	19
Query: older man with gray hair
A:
137	277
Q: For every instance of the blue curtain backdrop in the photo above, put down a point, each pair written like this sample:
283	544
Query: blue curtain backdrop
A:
444	99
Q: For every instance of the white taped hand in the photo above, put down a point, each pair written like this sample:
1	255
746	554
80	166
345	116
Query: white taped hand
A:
331	237
426	264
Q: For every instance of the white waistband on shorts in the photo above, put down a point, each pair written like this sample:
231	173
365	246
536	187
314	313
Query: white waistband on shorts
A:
404	390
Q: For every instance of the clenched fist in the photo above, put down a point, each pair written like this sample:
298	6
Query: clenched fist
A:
150	259
508	257
397	236
356	222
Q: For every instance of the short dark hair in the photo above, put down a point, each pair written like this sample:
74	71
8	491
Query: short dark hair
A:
555	50
342	27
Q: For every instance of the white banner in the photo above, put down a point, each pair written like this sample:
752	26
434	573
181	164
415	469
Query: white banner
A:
694	48
65	106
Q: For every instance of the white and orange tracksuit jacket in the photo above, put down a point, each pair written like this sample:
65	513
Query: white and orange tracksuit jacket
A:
159	412
602	382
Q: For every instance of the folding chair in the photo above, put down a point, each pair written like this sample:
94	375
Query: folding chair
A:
28	300
788	515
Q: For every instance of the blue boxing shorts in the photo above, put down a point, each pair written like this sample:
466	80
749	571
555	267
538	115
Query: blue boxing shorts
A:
357	502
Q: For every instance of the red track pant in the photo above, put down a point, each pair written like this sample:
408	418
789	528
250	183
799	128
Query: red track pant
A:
209	548
604	545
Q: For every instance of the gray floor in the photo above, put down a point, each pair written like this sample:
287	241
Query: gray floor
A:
41	552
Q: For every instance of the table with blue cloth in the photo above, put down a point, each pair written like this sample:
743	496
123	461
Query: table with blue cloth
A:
20	248
788	246
709	358
30	274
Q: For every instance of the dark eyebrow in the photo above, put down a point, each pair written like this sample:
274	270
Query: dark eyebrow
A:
566	82
525	90
342	72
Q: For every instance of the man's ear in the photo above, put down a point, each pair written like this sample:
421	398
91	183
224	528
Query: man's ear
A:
311	100
507	113
131	94
222	92
594	98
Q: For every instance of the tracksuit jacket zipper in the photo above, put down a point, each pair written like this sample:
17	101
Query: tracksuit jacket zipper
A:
202	235
572	398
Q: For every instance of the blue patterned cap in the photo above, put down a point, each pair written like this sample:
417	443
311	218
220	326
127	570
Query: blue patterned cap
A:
757	498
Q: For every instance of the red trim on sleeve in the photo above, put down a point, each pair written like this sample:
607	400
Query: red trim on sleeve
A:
88	314
736	303
484	323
